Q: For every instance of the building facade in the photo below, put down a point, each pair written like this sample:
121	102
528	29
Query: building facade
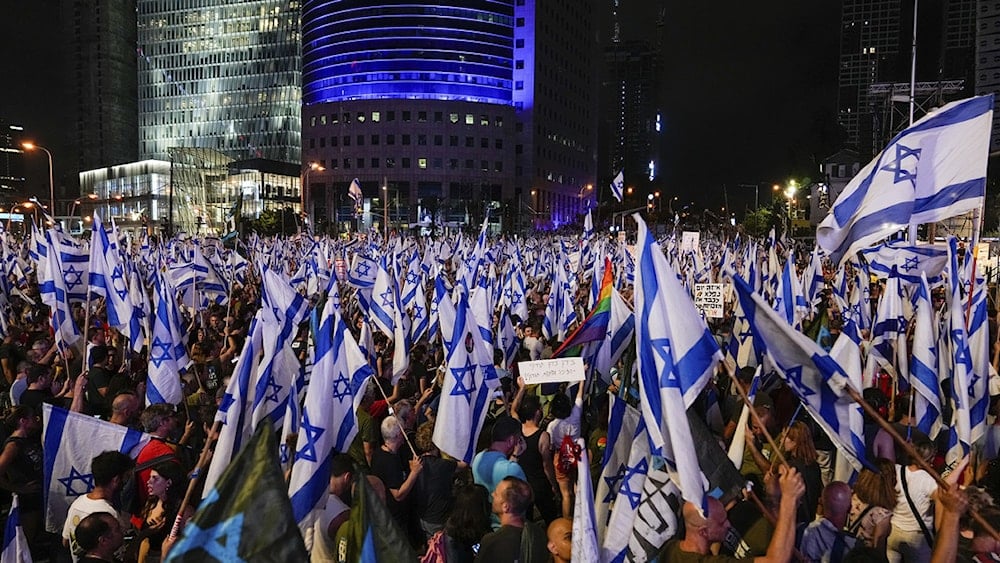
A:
11	163
434	108
988	59
103	79
219	75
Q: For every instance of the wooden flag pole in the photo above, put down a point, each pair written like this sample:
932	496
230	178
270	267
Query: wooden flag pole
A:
756	417
912	452
196	476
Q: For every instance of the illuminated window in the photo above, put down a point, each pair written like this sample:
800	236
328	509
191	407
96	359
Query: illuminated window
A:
376	116
453	117
470	119
361	117
422	163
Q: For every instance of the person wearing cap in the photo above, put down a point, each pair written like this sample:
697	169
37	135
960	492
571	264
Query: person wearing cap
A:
492	465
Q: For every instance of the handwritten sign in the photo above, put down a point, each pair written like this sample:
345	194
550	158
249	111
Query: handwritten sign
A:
708	297
690	241
552	371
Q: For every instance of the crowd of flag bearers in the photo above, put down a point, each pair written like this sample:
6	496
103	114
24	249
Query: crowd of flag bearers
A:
311	398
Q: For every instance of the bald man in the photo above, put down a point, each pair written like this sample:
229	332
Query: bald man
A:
825	539
701	531
561	540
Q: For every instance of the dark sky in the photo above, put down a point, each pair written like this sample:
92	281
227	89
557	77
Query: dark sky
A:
750	89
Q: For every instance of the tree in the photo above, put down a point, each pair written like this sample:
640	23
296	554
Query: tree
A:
274	221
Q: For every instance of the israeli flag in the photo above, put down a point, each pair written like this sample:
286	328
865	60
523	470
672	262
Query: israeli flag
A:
168	357
623	421
676	355
468	382
584	522
888	344
908	260
54	293
107	276
618	186
924	366
329	422
15	545
70	442
815	376
932	170
964	380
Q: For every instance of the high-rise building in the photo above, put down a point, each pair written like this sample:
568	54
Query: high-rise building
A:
631	117
103	78
219	75
11	162
445	109
988	59
875	63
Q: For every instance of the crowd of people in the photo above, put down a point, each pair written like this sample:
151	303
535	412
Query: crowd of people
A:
515	501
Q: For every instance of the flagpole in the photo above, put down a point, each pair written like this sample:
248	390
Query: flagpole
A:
398	423
196	476
753	414
915	457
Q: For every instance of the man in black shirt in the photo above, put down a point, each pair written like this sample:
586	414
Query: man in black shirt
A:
511	501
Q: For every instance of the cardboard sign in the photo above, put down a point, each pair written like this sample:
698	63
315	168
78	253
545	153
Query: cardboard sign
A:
709	298
551	371
690	240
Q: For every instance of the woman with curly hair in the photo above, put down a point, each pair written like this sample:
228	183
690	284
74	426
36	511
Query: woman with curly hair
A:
872	503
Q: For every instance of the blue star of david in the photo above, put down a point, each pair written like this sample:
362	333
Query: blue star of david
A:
311	434
634	497
515	300
118	282
74	475
973	380
900	174
856	310
341	388
283	453
275	389
363	269
508	293
794	376
961	350
412	278
668	377
386	297
418	312
72	277
221	542
613	482
461	389
164	352
910	264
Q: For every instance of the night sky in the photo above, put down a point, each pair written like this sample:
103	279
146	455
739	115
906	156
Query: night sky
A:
750	89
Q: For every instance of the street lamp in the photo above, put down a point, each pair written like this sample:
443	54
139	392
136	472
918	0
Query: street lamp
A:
583	190
52	187
305	188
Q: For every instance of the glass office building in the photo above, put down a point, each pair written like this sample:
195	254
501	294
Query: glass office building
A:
220	75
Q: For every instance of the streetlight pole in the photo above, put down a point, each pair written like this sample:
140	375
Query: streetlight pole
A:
52	186
304	194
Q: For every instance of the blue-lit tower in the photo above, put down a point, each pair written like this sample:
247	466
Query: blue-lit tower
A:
423	103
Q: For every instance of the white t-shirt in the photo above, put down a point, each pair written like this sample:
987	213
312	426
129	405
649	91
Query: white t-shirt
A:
569	426
921	486
323	548
80	509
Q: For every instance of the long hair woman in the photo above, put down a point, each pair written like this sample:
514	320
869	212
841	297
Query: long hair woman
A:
872	503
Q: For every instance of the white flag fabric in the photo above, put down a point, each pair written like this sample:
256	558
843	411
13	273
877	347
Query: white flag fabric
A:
623	420
329	422
932	170
15	544
584	525
924	365
618	185
167	351
71	441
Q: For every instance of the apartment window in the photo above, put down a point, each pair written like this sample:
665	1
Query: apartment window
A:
347	140
498	166
390	139
469	164
437	163
361	117
361	140
438	117
406	162
422	116
470	119
375	139
334	118
347	117
406	139
453	117
390	115
519	43
498	121
519	85
470	142
312	121
390	162
334	141
406	116
484	120
334	164
422	140
347	164
484	165
519	22
361	162
376	117
438	140
453	141
484	143
312	143
453	164
519	64
374	163
498	144
422	163
322	119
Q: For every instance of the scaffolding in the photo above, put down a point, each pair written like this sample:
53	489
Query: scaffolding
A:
891	105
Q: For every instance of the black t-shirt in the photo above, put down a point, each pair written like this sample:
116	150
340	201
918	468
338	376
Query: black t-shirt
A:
35	397
98	378
388	467
14	354
432	499
504	546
